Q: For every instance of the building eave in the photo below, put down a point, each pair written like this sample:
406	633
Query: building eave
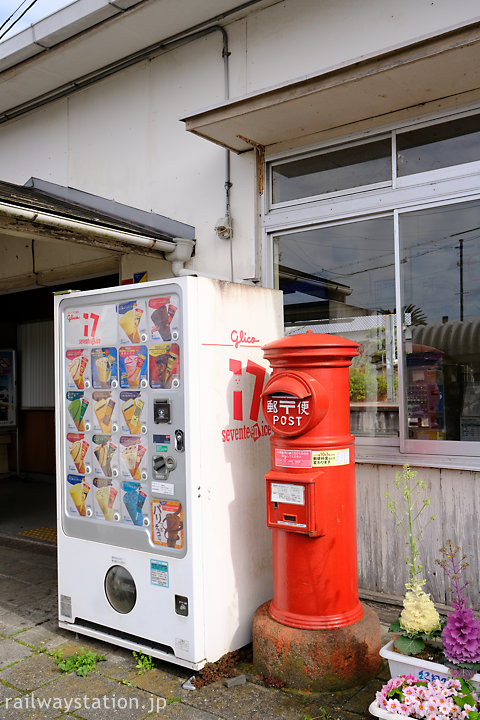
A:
429	69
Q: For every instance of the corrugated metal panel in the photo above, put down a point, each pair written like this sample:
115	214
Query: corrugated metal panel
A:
459	339
35	349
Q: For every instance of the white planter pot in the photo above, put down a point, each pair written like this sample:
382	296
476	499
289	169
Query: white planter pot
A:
379	712
408	665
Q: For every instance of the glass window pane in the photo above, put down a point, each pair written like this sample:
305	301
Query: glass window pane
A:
332	171
440	251
340	280
437	146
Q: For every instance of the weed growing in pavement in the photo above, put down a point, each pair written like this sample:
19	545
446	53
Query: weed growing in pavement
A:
82	662
173	700
38	649
144	662
323	715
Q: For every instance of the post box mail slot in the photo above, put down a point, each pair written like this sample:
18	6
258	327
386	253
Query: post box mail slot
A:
291	502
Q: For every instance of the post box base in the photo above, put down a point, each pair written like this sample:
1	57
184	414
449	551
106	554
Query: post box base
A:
317	660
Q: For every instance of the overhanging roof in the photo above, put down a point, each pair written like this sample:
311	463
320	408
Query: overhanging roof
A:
69	202
426	70
71	214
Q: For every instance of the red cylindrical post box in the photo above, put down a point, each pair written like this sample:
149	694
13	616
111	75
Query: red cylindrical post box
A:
311	484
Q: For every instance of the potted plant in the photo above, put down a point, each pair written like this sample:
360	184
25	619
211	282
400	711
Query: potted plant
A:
461	633
458	647
419	623
407	696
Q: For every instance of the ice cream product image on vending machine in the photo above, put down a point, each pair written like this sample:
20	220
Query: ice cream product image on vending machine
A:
162	450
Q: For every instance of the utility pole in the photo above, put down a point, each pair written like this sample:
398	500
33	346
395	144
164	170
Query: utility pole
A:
461	278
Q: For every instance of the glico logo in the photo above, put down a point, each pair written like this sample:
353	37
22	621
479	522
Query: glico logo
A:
240	337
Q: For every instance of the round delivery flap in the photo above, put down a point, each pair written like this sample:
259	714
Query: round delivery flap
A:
289	384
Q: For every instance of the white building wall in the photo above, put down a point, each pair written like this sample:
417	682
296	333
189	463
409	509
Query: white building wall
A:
292	39
122	137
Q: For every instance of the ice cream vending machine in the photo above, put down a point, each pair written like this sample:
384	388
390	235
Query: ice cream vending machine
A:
161	453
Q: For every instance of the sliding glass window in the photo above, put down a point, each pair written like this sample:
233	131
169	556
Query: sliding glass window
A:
440	269
340	279
398	227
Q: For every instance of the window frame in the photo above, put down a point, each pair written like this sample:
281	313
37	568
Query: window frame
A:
407	445
440	187
336	193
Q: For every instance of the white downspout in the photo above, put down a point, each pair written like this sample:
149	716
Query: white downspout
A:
180	255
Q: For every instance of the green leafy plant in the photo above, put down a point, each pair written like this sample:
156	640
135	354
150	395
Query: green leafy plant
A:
419	623
82	662
323	715
144	662
173	700
365	385
362	383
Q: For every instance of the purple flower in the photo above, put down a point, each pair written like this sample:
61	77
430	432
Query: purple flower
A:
461	636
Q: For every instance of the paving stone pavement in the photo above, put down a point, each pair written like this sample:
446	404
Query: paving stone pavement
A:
33	688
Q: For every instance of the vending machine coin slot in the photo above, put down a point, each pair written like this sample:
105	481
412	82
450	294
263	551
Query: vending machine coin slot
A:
162	411
179	441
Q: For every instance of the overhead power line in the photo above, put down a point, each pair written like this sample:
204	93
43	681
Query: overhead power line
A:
16	19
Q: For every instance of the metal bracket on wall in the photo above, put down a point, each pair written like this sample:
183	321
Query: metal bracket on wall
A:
260	158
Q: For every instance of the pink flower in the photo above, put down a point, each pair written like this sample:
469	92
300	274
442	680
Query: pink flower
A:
432	701
393	706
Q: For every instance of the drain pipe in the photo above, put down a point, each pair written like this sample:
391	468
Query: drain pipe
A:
178	249
180	255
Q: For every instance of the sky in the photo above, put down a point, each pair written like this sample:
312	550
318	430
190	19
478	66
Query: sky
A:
39	10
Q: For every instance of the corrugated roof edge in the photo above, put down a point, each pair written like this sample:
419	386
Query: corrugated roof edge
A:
159	224
42	196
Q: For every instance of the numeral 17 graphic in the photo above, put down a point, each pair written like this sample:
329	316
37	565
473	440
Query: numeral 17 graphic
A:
259	372
95	318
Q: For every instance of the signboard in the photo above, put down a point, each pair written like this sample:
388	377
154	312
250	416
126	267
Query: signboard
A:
7	389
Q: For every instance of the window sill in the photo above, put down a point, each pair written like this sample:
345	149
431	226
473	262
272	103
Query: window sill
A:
389	455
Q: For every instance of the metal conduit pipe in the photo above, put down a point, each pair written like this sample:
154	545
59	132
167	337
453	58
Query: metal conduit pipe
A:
148	53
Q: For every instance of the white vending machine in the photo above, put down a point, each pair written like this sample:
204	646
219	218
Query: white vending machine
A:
161	453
